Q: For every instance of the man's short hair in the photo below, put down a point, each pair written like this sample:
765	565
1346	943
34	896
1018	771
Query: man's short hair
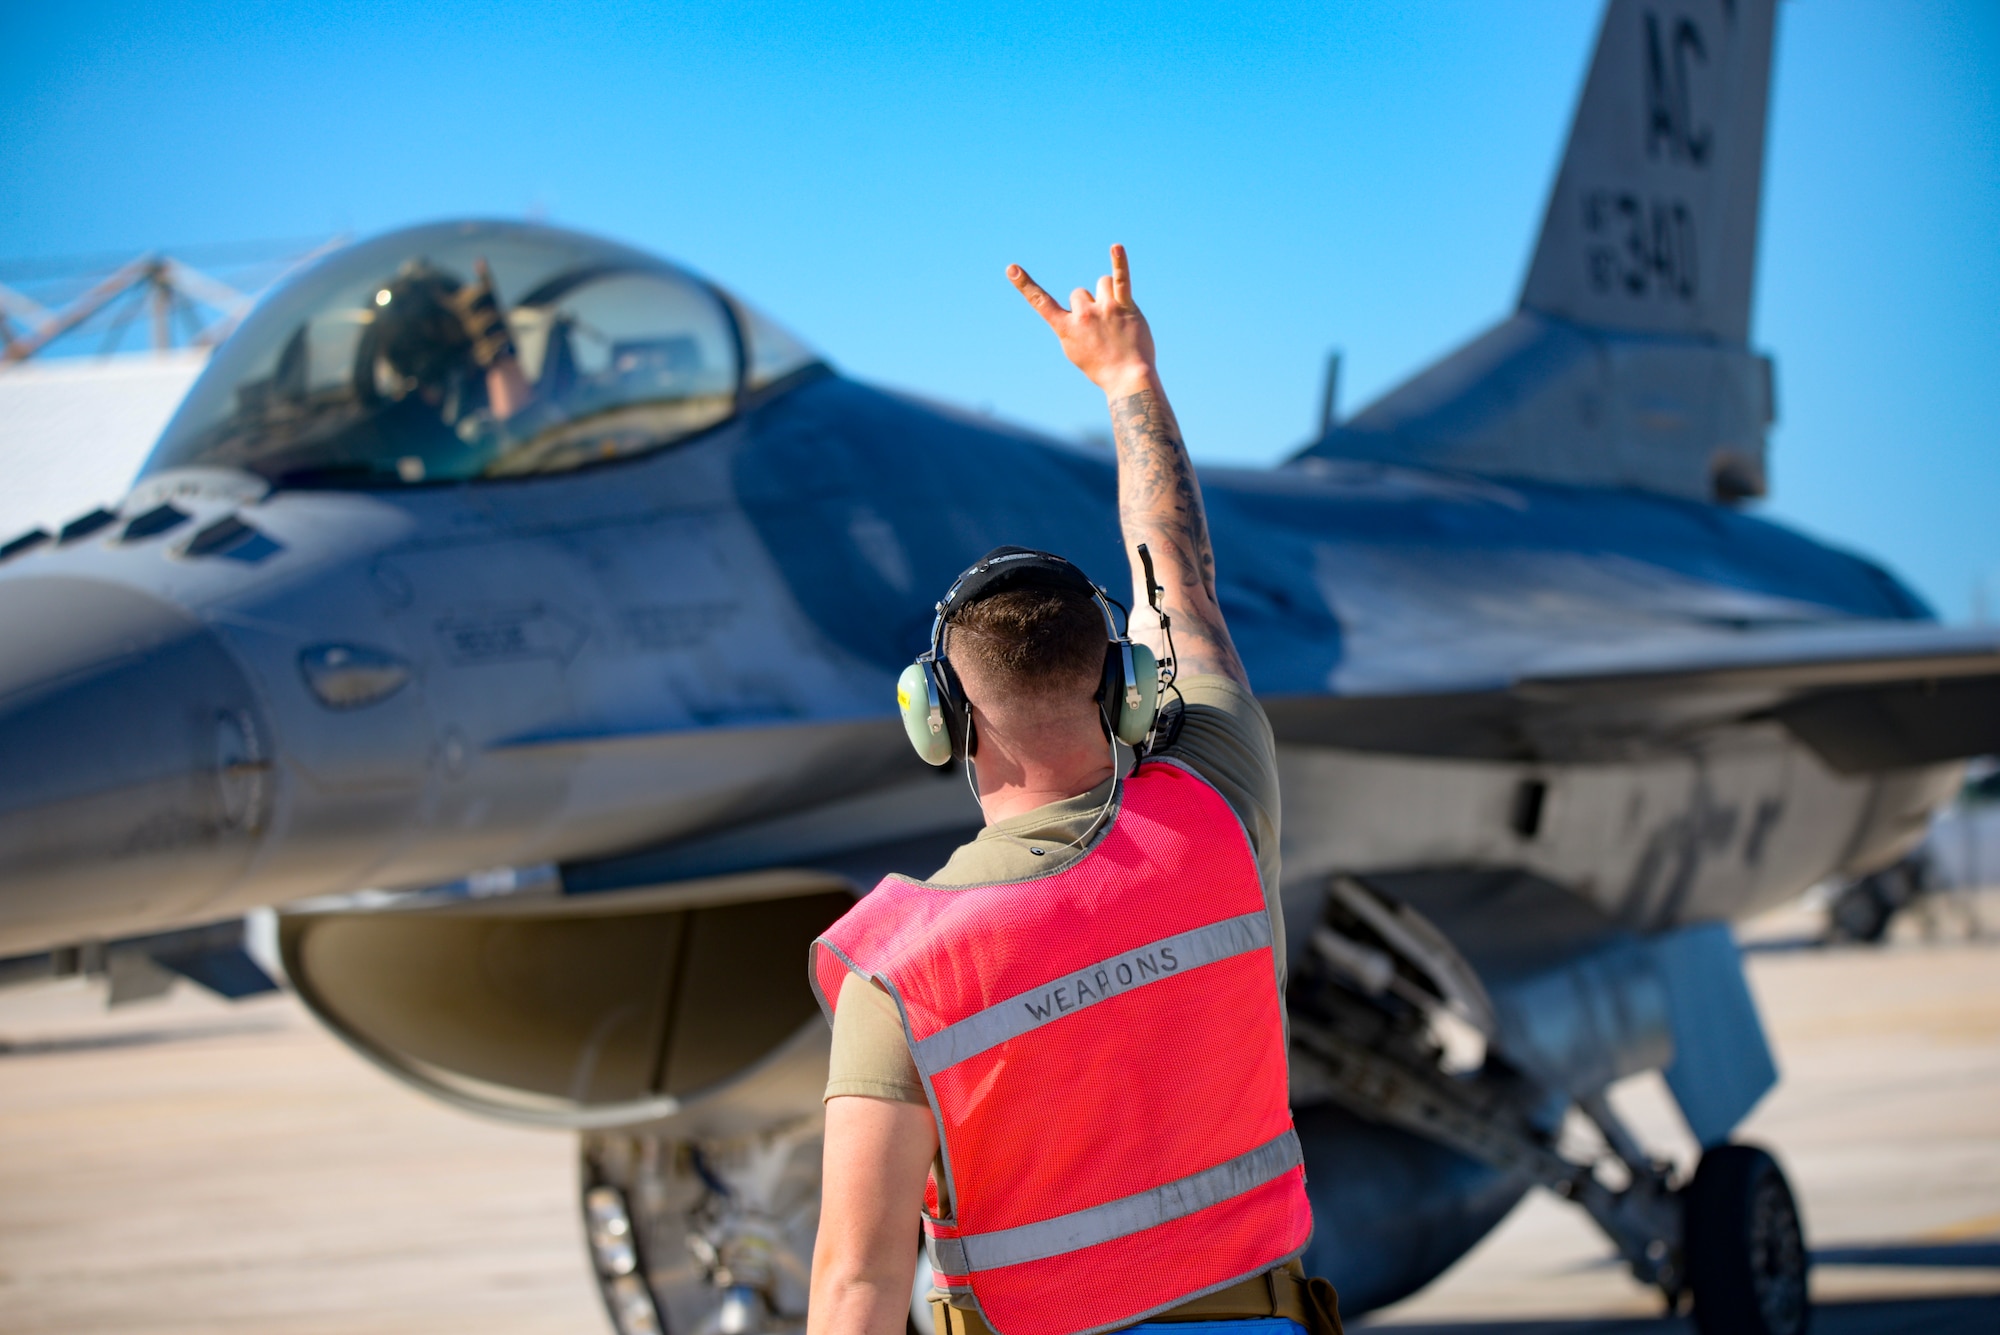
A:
1032	641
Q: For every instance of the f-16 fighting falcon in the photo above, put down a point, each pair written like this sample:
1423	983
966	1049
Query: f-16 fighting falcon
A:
520	616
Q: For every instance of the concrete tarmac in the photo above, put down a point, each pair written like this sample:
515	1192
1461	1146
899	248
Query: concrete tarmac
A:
187	1165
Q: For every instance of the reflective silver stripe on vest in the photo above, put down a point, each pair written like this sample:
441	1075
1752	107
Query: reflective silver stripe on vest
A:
1073	1232
1165	958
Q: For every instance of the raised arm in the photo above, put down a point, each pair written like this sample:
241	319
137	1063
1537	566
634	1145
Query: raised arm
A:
1159	500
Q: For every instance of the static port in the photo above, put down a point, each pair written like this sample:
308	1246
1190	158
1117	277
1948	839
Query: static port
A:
155	521
84	525
28	541
1529	799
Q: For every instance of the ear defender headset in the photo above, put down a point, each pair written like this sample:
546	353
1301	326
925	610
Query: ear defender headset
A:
938	717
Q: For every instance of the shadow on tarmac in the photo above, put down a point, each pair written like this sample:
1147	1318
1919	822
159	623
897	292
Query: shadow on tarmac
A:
1973	1253
1958	1315
133	1038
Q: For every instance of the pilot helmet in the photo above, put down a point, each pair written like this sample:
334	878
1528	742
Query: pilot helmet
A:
420	338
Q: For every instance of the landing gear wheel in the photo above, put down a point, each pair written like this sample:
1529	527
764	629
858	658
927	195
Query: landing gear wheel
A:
1860	913
1744	1249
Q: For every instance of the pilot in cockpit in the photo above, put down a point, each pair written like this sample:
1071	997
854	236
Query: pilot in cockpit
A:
444	361
415	362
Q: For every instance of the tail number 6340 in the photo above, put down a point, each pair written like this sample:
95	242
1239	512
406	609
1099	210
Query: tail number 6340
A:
1638	246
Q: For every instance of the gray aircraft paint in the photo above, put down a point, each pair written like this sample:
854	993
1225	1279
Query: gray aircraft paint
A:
662	686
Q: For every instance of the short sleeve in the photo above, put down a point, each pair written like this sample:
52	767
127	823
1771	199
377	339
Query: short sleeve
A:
871	1056
1218	730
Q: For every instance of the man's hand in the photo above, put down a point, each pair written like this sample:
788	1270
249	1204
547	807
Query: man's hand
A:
478	310
1104	335
1159	500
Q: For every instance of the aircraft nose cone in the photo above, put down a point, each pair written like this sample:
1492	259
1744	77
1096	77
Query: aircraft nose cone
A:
133	762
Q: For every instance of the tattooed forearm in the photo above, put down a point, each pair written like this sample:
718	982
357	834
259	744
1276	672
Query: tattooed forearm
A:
1156	483
1159	504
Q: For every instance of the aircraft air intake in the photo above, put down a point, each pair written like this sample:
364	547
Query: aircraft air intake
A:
581	1011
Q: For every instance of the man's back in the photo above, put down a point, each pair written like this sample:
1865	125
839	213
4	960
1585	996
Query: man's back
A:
1103	1047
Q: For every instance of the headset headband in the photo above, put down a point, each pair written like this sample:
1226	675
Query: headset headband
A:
1006	568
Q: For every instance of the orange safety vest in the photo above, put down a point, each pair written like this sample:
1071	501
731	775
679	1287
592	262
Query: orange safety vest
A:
1104	1051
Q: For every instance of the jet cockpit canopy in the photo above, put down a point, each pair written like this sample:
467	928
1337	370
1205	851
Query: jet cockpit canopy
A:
468	350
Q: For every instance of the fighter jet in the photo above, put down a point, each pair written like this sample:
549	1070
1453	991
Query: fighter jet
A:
542	677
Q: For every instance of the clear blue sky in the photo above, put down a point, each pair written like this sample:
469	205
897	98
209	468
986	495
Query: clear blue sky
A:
1289	178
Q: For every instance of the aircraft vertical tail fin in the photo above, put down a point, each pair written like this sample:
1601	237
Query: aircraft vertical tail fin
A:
1627	363
1652	225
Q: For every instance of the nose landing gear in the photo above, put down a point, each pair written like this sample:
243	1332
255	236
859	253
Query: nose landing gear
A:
1743	1246
703	1236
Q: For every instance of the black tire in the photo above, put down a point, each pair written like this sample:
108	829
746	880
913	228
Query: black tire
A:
1743	1246
1861	913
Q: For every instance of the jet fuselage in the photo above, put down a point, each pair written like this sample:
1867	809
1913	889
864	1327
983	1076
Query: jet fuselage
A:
650	652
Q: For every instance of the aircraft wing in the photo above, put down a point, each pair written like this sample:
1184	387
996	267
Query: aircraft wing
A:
1866	696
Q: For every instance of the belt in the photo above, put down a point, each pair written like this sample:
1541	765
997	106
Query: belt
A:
1284	1292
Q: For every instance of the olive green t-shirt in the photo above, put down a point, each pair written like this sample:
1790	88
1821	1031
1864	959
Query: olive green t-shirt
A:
1221	734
